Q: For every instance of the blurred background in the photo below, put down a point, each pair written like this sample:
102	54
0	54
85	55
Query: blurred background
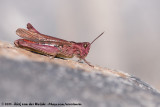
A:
132	30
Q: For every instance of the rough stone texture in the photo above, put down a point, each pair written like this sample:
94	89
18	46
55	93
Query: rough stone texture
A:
31	78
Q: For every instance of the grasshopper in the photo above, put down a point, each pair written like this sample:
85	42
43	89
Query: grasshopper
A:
47	45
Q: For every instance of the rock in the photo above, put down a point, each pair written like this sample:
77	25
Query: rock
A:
29	78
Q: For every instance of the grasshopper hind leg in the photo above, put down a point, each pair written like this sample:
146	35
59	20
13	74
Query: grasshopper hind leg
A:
37	48
31	28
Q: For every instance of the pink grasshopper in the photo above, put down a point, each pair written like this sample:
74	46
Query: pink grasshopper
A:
48	45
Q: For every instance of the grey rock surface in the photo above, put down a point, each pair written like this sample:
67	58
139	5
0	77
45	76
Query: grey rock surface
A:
30	79
25	81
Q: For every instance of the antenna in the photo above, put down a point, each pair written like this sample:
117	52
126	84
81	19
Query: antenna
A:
97	37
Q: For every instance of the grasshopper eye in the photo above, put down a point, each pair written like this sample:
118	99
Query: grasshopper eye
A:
85	45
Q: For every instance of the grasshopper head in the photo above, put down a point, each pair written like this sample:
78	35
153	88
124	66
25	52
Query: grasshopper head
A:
82	49
85	47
